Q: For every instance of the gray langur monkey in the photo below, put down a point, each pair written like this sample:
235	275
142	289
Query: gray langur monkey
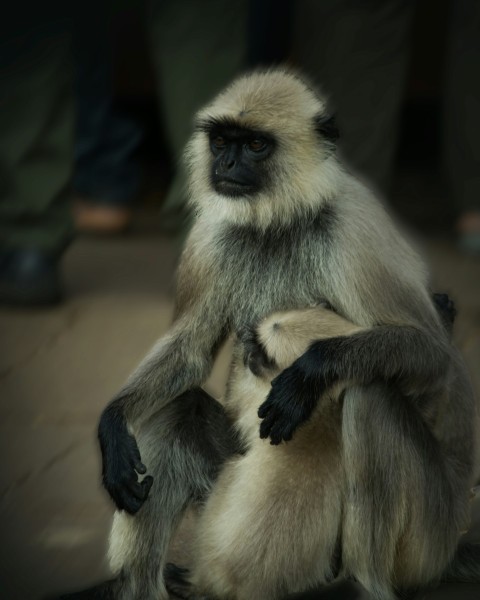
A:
383	486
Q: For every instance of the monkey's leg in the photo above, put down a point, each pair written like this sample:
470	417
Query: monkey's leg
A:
405	505
410	355
183	446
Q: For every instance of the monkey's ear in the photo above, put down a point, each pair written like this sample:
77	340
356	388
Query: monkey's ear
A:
326	126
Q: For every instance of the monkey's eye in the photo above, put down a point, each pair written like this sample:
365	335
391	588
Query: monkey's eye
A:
219	142
257	145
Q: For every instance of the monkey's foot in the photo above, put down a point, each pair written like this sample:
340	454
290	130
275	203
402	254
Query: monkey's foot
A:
446	306
176	582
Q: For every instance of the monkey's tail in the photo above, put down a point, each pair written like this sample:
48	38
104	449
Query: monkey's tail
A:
465	566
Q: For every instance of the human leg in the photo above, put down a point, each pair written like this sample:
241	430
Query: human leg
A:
107	176
461	119
36	121
358	52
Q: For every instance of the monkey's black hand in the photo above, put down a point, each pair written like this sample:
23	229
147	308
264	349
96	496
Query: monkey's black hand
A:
254	355
122	462
291	401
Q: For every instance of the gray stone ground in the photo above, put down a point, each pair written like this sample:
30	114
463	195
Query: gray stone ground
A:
58	368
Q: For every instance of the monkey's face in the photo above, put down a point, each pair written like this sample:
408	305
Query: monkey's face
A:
240	159
263	152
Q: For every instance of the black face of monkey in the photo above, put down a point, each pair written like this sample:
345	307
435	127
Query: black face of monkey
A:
240	157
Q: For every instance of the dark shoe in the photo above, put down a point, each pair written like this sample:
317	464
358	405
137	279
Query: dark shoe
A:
28	278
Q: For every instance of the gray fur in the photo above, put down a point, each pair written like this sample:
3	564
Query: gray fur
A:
184	445
319	236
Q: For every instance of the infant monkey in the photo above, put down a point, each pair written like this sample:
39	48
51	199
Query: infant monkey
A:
284	502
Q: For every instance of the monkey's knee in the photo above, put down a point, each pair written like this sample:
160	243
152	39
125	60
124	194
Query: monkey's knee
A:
186	443
183	447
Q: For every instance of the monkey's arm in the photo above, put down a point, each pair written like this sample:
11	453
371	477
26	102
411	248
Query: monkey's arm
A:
274	343
282	337
180	360
386	353
406	354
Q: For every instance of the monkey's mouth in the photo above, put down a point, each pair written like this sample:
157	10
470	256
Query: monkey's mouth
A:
233	189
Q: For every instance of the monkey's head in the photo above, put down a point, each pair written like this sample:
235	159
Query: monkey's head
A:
263	151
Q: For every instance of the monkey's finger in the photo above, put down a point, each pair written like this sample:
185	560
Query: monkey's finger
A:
264	430
280	432
124	500
266	425
130	501
265	408
138	489
275	441
133	451
140	467
142	490
146	484
132	505
288	435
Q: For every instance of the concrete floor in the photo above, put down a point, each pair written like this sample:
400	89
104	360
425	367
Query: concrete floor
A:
59	367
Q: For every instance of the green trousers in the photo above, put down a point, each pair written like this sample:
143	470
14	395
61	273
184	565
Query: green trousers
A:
358	53
36	138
